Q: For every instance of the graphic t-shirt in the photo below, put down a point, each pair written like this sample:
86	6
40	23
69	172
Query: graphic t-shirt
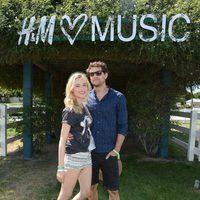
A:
80	129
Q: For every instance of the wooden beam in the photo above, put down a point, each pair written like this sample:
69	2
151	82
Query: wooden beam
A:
27	105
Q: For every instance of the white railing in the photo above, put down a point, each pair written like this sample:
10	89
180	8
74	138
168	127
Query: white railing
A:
6	123
193	132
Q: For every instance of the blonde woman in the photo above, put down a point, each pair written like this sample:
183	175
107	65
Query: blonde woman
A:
74	157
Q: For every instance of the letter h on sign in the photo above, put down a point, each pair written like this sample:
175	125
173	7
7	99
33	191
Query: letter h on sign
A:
26	31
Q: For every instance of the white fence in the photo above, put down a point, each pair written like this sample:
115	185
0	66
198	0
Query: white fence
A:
193	145
5	123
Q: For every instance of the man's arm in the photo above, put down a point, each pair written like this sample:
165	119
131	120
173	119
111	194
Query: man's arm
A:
122	126
119	142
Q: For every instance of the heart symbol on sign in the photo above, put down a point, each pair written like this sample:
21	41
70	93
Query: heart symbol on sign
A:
72	25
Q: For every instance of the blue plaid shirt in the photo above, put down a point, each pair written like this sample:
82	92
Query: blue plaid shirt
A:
109	119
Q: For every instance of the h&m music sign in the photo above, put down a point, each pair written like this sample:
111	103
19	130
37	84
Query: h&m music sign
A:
45	30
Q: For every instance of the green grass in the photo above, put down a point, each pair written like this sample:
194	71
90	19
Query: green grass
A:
150	180
159	181
11	132
156	179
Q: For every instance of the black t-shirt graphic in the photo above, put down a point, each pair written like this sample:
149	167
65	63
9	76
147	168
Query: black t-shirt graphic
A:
80	129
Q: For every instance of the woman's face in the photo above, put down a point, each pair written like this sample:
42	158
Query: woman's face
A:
80	89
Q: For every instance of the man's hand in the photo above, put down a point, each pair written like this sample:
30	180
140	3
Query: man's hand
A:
70	137
112	153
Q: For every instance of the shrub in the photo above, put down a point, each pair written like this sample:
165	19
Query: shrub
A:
149	102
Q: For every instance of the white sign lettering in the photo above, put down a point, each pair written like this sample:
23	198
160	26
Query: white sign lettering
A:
44	33
171	23
147	27
164	19
119	29
95	23
72	25
26	31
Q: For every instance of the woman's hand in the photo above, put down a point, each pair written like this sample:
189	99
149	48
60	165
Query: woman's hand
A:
60	176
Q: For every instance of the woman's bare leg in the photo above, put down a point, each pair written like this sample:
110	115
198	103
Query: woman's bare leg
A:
71	177
84	179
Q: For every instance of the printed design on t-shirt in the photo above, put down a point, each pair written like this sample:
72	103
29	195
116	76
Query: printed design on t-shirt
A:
86	126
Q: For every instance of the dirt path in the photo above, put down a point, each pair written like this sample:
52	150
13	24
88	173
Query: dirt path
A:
23	179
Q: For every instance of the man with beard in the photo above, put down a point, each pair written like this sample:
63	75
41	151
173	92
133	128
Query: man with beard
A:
108	109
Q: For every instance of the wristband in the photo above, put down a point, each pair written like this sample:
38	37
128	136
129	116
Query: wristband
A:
118	155
61	168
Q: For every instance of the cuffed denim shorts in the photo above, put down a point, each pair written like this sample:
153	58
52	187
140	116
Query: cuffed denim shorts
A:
77	160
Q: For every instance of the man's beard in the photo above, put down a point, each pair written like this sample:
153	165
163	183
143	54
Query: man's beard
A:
97	85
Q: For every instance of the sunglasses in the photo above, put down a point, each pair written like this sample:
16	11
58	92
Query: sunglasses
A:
97	73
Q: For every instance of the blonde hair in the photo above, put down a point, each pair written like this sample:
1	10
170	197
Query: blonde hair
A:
70	100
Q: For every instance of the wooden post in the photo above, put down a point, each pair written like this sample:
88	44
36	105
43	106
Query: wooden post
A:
192	136
27	105
3	129
164	143
198	146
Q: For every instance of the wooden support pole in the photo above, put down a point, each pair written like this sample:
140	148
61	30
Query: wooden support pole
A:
27	105
164	143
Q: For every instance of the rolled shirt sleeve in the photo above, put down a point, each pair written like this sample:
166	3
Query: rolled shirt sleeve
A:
122	115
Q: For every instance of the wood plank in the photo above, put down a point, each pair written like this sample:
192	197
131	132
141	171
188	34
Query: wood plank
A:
12	139
14	124
181	114
180	128
179	142
11	110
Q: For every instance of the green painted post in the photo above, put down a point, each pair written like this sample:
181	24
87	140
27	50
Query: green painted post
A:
164	143
27	105
48	100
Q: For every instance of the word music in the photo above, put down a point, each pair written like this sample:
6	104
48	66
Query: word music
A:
45	30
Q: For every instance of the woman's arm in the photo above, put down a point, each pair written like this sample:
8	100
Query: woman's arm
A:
61	150
63	138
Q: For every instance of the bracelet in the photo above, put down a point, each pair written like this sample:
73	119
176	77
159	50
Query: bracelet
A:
61	168
118	155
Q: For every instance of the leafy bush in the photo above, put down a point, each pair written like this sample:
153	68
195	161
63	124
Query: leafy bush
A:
149	102
5	94
44	115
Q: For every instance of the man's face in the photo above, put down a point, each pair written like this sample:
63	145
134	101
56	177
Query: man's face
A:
97	76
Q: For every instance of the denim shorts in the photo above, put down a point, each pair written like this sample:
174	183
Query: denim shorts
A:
110	170
77	160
